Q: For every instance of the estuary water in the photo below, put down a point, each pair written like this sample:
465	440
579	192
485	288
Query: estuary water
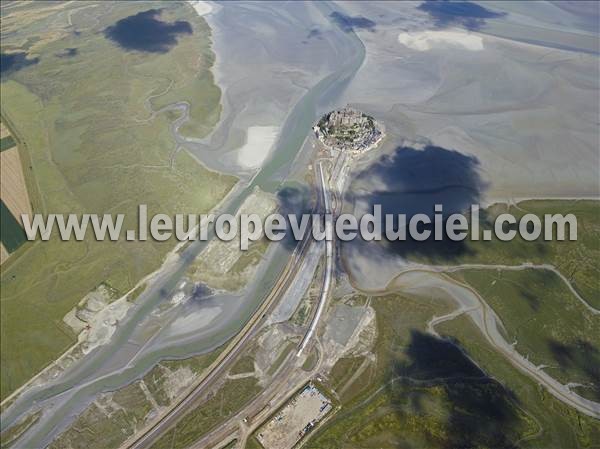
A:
143	338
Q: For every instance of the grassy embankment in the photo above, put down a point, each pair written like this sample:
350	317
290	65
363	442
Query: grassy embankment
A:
559	425
422	392
81	119
578	261
549	325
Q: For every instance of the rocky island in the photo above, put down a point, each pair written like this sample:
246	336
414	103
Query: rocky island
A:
348	129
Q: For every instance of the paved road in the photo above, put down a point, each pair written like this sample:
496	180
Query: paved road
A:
167	419
328	262
290	377
285	383
161	424
287	380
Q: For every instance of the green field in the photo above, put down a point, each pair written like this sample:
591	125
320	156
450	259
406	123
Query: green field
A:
91	149
11	232
559	425
551	327
579	260
113	417
157	378
108	421
424	392
252	443
311	360
223	404
244	364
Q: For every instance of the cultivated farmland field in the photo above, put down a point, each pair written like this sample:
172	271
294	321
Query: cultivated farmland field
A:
14	195
13	189
7	143
12	233
3	253
4	132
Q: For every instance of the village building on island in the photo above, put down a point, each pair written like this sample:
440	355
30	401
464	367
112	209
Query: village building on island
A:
349	130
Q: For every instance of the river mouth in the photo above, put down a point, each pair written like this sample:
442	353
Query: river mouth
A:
282	104
315	60
120	362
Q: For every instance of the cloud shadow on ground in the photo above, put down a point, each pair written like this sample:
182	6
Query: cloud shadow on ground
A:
580	355
295	200
466	14
351	23
13	62
411	181
482	412
68	53
146	33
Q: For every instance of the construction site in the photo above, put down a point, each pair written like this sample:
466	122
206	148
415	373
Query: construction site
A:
296	419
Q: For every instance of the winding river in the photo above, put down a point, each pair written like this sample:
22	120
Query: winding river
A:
131	351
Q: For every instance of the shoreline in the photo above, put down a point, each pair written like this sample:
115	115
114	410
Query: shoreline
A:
517	200
257	148
168	261
201	7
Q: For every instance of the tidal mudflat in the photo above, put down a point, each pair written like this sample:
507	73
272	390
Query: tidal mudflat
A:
290	48
516	113
298	86
524	109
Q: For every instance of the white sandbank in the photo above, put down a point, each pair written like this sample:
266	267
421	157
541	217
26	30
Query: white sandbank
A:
427	40
202	8
194	321
259	142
